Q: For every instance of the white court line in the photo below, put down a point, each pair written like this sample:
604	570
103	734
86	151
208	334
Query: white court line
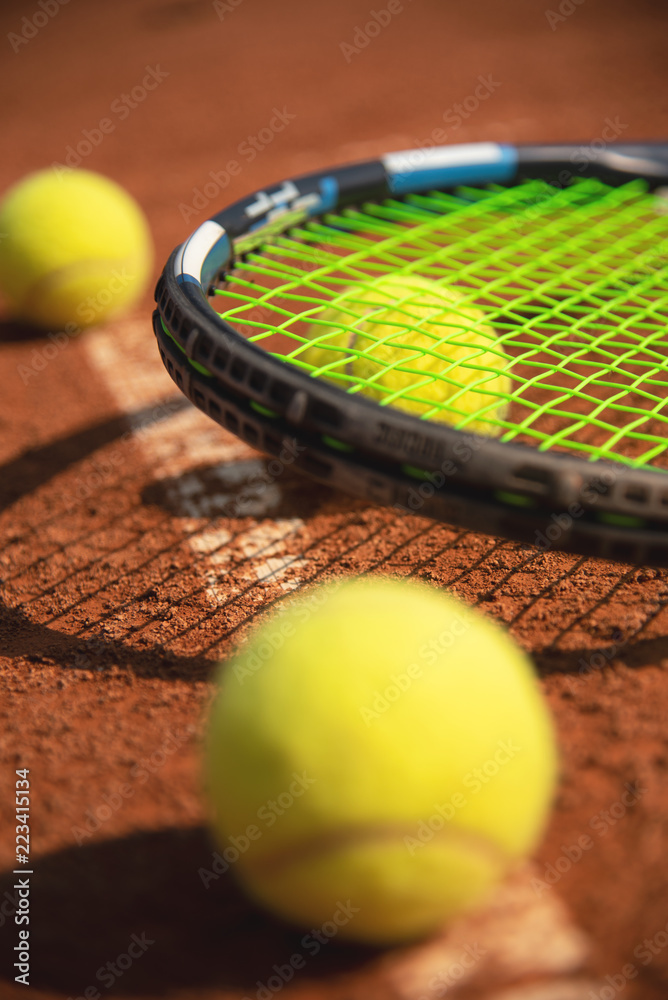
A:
125	357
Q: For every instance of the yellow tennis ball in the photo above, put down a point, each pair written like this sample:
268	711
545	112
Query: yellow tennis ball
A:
379	756
415	345
75	248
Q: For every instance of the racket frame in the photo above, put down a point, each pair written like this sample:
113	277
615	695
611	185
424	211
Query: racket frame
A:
509	489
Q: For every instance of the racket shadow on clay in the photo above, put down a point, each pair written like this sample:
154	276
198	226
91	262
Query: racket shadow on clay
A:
23	638
252	488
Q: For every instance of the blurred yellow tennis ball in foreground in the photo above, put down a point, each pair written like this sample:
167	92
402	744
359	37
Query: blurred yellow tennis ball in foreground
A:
75	248
417	346
379	755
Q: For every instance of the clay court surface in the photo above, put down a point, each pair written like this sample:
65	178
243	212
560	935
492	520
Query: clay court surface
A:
123	581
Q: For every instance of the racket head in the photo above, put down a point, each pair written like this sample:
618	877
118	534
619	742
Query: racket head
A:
304	241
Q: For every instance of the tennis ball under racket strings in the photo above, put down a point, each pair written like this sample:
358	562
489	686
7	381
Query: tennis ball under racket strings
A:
378	749
409	342
76	249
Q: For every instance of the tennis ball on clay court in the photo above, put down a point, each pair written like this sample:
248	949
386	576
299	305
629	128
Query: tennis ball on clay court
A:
409	336
75	248
380	750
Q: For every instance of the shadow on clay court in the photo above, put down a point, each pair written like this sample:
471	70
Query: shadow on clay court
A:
31	469
140	905
41	644
14	332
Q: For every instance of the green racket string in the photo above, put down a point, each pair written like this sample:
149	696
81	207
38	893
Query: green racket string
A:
565	290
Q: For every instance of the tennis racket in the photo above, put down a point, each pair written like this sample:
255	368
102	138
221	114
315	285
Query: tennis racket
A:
475	333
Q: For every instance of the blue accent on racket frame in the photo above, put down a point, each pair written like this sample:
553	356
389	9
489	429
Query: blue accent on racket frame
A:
329	189
185	279
497	164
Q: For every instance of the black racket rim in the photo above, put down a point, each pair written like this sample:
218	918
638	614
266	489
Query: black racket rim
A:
519	482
